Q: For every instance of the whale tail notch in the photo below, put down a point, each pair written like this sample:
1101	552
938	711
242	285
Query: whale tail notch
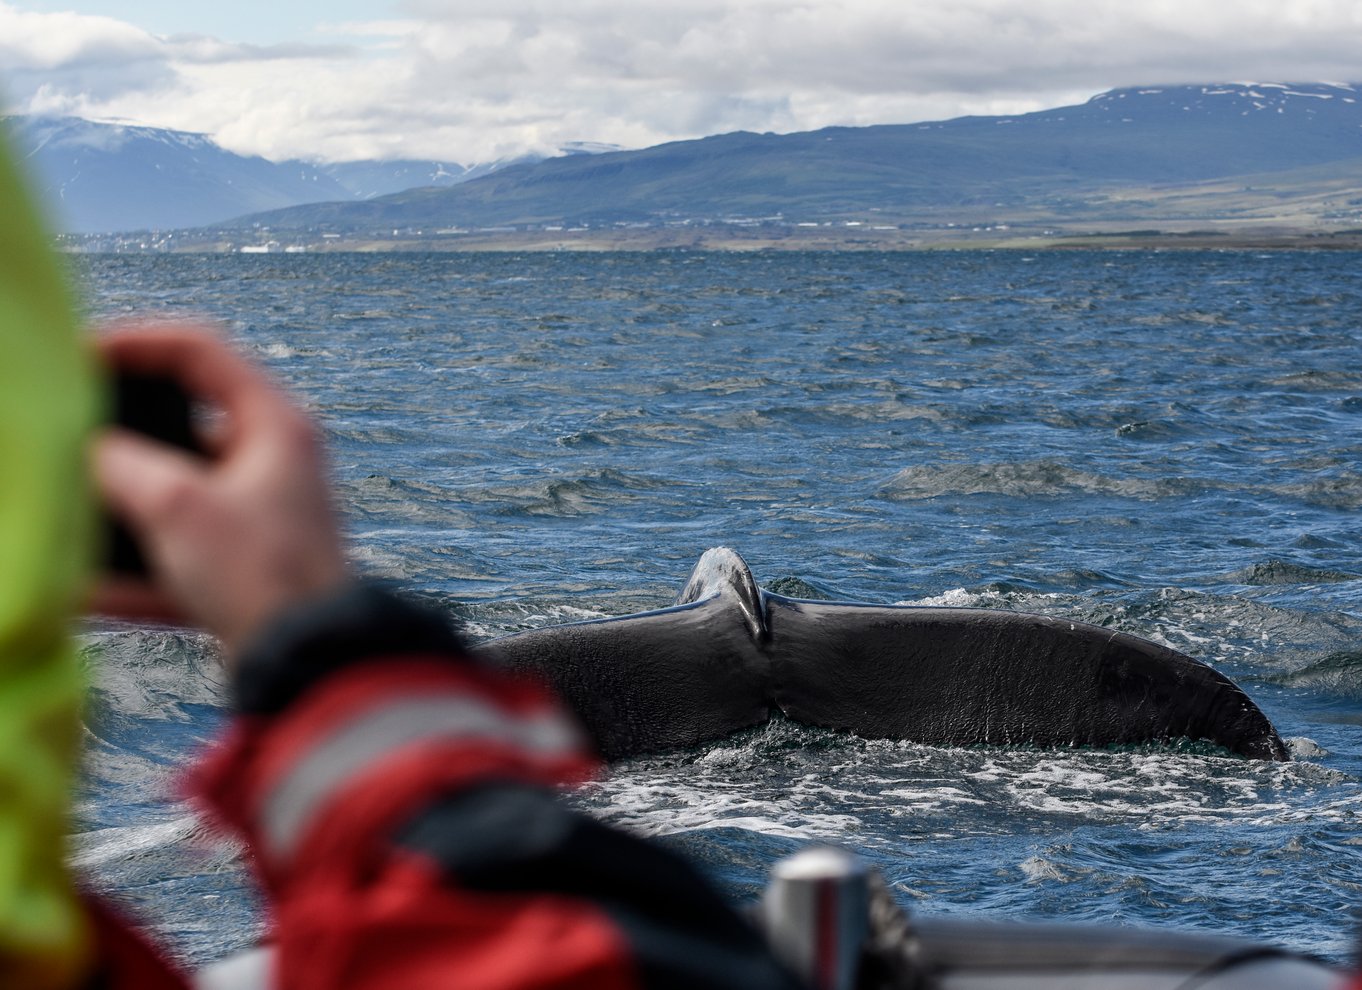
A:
721	572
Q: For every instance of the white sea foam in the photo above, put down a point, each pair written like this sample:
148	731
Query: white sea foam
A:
105	845
1038	870
791	780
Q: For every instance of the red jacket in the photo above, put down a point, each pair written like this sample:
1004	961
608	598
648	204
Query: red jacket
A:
398	801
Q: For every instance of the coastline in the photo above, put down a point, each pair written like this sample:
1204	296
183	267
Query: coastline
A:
730	237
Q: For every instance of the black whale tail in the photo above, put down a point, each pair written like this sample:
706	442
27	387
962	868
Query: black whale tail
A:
727	653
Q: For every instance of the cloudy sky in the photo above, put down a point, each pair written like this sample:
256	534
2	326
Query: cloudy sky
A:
475	80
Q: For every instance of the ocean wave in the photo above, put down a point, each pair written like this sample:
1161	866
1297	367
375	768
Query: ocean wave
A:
1339	491
1316	380
1026	479
1149	430
511	619
392	500
101	846
797	587
152	673
991	597
279	351
1338	674
586	438
1272	572
584	494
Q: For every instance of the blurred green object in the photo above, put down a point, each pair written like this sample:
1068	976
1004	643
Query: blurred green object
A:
48	402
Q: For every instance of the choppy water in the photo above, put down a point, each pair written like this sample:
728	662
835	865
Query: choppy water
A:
1165	443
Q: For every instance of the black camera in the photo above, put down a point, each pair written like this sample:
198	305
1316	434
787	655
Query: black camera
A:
157	407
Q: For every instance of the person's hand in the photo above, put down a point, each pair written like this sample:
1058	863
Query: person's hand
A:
232	538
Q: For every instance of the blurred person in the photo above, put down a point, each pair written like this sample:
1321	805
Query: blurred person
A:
397	799
47	406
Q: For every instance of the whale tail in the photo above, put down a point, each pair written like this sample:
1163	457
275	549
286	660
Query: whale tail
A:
728	653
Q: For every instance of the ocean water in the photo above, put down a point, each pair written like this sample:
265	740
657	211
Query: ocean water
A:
1164	443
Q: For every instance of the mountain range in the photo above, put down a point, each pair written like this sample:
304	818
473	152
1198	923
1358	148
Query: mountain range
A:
1121	156
1174	157
103	177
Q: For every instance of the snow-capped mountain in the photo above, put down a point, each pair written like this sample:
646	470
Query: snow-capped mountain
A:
1244	99
100	177
105	177
1165	133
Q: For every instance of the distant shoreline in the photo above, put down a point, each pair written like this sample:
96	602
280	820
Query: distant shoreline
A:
718	238
541	244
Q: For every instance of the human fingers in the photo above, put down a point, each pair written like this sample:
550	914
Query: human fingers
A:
205	365
148	485
136	480
237	536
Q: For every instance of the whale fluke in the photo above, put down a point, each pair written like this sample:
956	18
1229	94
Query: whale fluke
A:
979	676
728	653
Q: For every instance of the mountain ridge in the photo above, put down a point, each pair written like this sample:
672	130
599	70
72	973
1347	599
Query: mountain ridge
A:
1216	157
1062	162
114	176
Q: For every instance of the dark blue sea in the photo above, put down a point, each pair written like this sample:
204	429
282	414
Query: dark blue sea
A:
1165	443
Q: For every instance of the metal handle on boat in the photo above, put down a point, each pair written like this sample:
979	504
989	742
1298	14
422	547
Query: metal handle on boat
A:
816	913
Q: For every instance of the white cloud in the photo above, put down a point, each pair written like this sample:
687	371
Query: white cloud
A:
478	79
53	41
56	55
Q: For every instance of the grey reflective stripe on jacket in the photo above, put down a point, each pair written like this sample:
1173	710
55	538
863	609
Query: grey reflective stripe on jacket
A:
290	807
250	970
